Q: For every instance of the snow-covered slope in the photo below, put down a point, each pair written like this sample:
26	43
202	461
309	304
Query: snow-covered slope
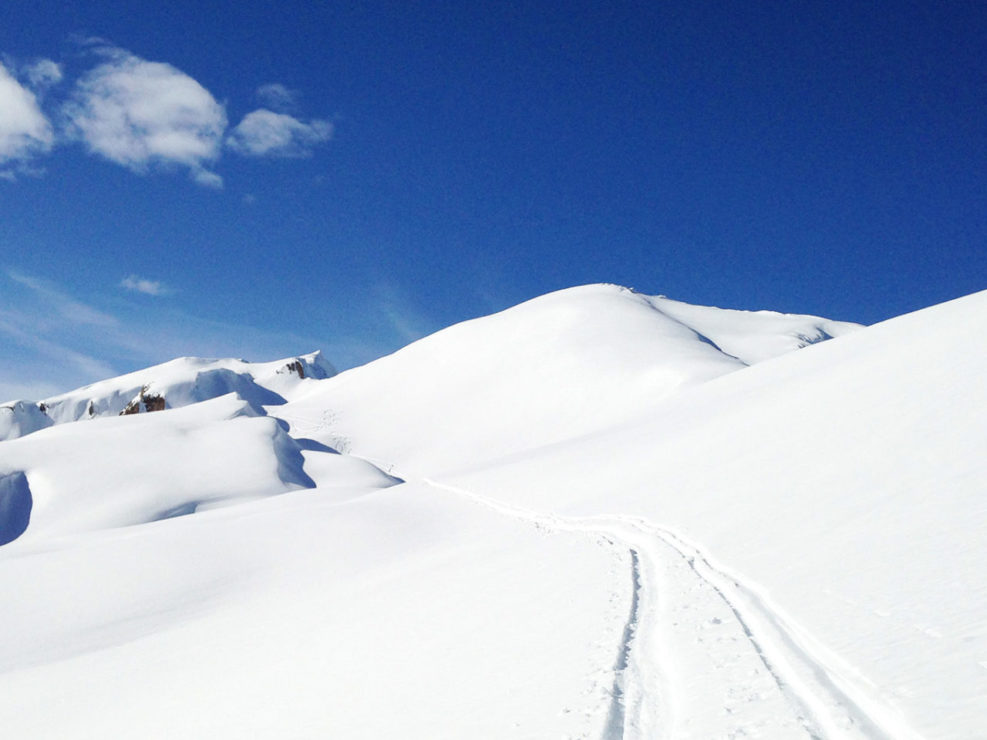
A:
614	524
552	368
18	418
173	384
835	494
752	336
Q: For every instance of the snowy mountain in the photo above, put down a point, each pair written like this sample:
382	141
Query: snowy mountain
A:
620	516
565	364
180	382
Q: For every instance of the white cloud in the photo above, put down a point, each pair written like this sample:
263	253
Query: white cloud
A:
277	97
143	285
43	73
207	179
265	133
139	113
25	132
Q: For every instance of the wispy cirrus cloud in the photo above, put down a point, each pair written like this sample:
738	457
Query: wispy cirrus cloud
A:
143	114
23	330
264	133
54	339
56	300
137	284
25	132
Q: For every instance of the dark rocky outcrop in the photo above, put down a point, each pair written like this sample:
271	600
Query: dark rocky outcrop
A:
144	403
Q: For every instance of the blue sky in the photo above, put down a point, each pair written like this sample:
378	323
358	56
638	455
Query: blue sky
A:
269	178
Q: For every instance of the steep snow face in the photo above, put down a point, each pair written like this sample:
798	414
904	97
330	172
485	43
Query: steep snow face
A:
553	368
178	383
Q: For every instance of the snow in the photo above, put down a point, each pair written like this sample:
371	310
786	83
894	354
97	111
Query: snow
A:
181	382
392	614
617	515
842	483
553	368
19	418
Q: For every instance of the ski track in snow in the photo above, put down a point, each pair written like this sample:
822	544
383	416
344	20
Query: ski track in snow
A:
703	655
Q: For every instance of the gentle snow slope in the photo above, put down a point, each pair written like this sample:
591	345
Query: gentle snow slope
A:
552	368
338	613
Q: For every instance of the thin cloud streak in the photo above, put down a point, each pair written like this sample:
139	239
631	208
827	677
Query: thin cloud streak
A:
74	311
80	344
59	353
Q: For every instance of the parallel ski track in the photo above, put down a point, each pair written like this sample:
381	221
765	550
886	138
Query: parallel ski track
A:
827	698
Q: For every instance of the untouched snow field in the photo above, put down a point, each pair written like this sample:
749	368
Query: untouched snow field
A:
617	516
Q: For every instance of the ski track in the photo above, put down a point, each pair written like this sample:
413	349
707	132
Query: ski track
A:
704	655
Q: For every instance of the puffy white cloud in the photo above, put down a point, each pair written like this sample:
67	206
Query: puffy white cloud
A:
139	113
265	133
277	97
144	115
25	132
43	73
143	285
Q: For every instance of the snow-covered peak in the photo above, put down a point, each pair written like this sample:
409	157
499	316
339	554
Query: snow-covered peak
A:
557	366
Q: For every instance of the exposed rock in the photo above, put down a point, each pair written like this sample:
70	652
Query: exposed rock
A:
296	367
144	403
154	402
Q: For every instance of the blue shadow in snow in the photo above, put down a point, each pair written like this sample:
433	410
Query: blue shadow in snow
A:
15	506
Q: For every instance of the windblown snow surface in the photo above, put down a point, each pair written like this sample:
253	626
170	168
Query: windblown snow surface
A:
598	514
